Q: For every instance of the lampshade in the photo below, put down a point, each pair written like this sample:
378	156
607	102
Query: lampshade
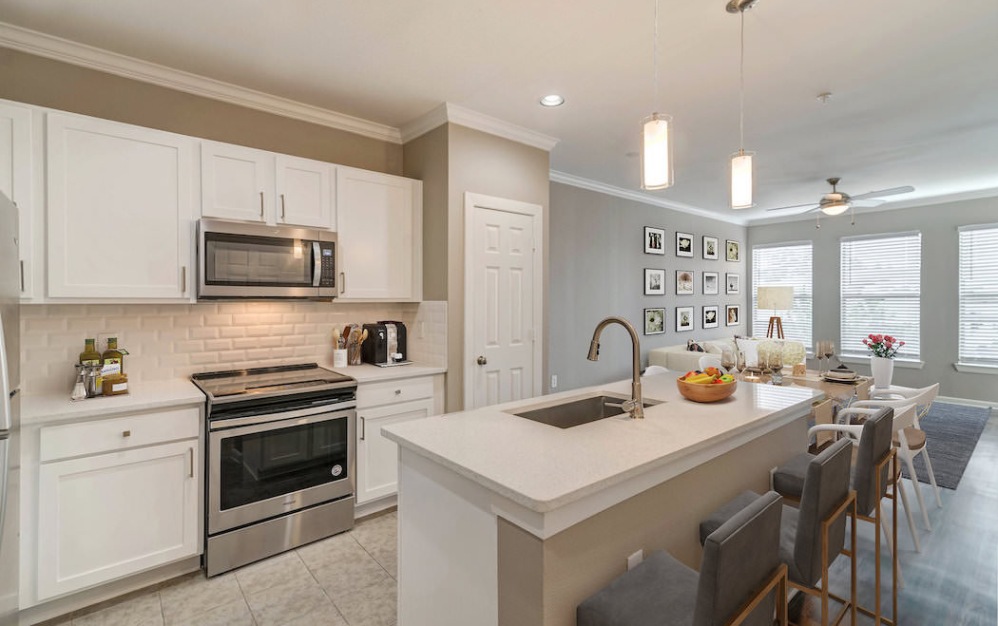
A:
741	180
775	298
656	152
837	208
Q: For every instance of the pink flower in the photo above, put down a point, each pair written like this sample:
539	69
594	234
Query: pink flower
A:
888	339
876	338
900	344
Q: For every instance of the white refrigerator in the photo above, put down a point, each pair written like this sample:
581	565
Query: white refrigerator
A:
10	361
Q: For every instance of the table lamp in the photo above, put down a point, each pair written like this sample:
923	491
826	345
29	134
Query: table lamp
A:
775	299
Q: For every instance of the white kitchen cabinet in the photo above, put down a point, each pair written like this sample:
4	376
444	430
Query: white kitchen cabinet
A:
240	183
380	236
120	502
16	161
120	210
380	404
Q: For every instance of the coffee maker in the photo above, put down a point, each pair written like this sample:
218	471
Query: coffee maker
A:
385	345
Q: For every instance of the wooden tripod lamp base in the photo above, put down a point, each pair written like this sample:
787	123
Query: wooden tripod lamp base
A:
775	324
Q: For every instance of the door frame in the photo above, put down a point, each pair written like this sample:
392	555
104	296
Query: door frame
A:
473	201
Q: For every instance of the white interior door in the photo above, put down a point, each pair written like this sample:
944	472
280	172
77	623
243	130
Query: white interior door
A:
503	301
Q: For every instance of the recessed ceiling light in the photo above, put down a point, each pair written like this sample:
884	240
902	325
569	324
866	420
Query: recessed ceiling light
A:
554	100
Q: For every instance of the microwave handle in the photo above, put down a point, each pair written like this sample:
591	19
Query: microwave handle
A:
316	263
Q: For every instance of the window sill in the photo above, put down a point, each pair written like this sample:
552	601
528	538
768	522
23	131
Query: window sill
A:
909	364
976	369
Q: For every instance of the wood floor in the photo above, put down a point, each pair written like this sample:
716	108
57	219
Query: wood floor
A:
953	581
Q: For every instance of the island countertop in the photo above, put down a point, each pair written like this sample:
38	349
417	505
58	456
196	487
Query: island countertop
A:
543	468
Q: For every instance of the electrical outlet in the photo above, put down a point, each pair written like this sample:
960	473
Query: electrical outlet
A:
635	559
554	381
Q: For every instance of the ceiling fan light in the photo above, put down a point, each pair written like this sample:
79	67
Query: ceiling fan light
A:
741	180
656	152
835	208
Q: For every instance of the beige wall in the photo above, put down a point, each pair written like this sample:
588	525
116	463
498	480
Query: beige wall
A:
45	82
425	158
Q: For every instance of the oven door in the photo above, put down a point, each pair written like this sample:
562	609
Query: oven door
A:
267	465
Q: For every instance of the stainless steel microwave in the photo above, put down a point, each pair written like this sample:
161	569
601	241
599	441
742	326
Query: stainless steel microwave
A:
260	262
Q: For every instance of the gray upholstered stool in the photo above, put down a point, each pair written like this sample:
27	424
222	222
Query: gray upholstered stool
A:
812	535
738	573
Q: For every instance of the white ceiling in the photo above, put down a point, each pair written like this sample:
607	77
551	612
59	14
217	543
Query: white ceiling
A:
915	84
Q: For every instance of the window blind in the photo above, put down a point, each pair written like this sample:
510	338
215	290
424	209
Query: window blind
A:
881	284
784	265
979	295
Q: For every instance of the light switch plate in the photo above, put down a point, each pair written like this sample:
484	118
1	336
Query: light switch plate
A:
635	559
554	381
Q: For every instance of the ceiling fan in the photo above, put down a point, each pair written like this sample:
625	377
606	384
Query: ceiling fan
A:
838	202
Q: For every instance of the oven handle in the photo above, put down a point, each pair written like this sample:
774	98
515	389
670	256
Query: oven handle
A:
272	425
225	424
316	264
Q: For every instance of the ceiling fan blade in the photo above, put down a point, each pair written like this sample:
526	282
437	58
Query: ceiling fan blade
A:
792	206
872	202
893	191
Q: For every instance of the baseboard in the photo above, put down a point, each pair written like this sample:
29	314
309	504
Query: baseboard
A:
968	402
375	506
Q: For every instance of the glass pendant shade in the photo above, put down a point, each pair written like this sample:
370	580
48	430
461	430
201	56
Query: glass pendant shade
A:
656	152
835	209
741	180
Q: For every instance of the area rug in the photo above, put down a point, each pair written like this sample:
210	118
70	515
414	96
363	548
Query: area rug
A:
951	434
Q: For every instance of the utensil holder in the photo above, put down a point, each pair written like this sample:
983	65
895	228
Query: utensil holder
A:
353	354
340	358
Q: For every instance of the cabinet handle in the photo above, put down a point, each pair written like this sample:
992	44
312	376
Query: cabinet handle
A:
126	433
22	275
363	428
191	475
343	283
183	279
261	205
283	208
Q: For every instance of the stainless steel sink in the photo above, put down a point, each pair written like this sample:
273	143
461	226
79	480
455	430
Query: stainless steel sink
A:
577	411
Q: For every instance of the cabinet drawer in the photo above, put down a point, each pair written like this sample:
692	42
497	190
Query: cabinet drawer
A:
95	436
389	391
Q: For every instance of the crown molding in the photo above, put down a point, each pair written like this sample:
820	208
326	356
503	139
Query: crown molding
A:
637	196
455	114
48	46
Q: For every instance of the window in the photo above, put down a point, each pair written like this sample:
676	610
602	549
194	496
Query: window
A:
881	291
979	295
784	265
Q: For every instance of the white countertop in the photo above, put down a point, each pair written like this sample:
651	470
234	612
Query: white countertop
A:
543	467
372	373
141	396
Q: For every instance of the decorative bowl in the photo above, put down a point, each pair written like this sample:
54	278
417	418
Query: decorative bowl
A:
706	393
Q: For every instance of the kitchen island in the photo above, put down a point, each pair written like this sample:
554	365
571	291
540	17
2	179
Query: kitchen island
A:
503	520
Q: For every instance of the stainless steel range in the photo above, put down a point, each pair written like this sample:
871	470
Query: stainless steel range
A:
280	460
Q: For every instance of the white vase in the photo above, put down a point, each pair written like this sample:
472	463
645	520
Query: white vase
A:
882	370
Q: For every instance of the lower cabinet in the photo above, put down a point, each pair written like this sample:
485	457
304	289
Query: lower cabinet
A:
380	404
121	511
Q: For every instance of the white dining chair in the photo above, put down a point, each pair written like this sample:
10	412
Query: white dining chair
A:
711	360
652	370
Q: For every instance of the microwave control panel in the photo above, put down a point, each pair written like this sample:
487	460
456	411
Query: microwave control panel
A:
327	277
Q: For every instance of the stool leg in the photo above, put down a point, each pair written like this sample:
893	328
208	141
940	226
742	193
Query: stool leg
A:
918	490
899	486
932	477
887	535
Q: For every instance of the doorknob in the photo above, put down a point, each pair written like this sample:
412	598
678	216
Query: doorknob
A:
482	360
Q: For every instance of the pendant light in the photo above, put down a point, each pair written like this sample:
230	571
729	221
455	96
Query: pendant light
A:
741	161
656	137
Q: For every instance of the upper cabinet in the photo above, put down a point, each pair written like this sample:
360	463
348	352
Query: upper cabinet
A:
16	182
380	236
257	186
120	210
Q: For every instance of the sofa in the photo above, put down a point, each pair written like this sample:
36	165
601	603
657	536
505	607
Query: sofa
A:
680	359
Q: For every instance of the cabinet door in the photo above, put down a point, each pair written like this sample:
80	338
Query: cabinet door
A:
377	457
107	516
15	181
304	192
380	235
237	183
119	210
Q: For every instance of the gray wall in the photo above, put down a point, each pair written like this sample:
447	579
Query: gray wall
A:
597	269
940	256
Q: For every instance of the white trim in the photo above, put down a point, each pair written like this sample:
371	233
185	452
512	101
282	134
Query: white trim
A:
907	364
984	404
474	201
48	46
637	196
968	228
976	368
456	114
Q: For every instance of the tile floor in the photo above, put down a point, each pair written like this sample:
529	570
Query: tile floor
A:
346	580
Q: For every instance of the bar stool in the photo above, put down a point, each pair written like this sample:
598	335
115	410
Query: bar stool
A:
813	535
739	572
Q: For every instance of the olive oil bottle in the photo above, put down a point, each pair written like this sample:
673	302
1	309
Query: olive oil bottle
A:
113	359
89	356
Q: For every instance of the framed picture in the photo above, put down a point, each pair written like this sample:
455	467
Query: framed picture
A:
684	318
732	250
731	284
710	317
710	283
710	247
654	321
654	240
684	244
733	313
684	282
654	282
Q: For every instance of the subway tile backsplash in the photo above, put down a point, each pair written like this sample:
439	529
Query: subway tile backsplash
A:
175	340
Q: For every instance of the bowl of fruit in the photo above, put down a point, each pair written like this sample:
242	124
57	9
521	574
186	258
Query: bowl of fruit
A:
710	385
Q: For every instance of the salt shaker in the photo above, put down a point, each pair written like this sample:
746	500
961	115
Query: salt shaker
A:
79	389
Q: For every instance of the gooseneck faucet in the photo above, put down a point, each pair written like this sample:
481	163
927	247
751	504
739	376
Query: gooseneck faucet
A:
634	406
